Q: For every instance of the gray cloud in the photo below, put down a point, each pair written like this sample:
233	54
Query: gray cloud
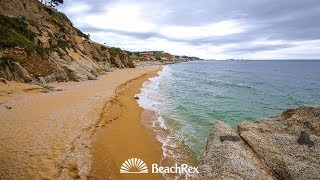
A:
285	20
256	48
137	35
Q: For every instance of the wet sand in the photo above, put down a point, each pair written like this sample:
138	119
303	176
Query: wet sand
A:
123	136
49	135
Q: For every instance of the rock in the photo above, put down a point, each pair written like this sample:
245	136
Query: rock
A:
229	138
277	142
3	81
304	139
116	61
51	78
282	147
22	72
42	80
44	41
136	97
9	74
74	74
148	63
8	107
230	158
92	77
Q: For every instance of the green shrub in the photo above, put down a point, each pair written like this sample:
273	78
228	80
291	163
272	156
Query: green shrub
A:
14	32
113	51
23	18
137	58
50	41
5	43
56	14
62	29
81	34
103	48
129	53
63	44
17	25
5	60
98	50
60	54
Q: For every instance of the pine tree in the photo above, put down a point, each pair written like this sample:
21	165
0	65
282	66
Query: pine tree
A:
56	2
52	2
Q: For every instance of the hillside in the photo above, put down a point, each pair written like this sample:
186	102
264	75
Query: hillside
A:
38	43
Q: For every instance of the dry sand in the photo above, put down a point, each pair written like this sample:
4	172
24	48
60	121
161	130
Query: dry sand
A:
48	135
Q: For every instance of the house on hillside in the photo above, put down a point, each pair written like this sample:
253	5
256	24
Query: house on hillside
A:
166	58
148	55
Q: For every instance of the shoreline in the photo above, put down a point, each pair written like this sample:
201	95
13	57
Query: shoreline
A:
173	147
122	135
45	135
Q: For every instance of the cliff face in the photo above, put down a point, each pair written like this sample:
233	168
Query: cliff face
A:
283	147
40	43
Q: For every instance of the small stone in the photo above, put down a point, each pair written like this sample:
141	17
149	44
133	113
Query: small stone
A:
304	139
136	97
8	107
229	138
3	80
42	80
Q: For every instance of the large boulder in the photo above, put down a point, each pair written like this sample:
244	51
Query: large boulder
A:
226	156
286	146
11	70
289	143
22	72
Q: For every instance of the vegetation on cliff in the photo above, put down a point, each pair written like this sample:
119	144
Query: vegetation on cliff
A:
47	45
14	32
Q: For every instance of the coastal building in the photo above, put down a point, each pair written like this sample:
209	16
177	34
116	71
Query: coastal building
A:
167	58
148	55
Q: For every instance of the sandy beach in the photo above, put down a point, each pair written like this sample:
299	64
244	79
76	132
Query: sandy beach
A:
123	136
49	135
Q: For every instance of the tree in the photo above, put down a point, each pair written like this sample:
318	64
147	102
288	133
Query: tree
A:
52	2
56	2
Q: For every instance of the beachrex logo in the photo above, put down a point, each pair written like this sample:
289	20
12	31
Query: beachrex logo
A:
182	169
135	165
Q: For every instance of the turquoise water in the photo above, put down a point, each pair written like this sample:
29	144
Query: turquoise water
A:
189	97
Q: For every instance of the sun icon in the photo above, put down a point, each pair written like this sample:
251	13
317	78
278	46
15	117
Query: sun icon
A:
134	165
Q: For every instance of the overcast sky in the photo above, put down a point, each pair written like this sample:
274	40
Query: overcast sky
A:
212	29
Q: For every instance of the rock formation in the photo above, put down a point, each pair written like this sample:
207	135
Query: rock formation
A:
286	146
39	42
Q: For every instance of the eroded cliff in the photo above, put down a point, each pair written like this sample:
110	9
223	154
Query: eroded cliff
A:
39	43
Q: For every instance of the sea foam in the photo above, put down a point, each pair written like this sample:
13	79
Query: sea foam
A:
150	99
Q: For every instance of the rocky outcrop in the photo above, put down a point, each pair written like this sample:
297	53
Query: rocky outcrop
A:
227	157
22	72
286	146
11	70
47	46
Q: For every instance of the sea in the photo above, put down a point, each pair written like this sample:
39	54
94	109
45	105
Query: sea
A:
187	98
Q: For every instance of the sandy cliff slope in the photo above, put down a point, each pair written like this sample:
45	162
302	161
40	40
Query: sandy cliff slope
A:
39	43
